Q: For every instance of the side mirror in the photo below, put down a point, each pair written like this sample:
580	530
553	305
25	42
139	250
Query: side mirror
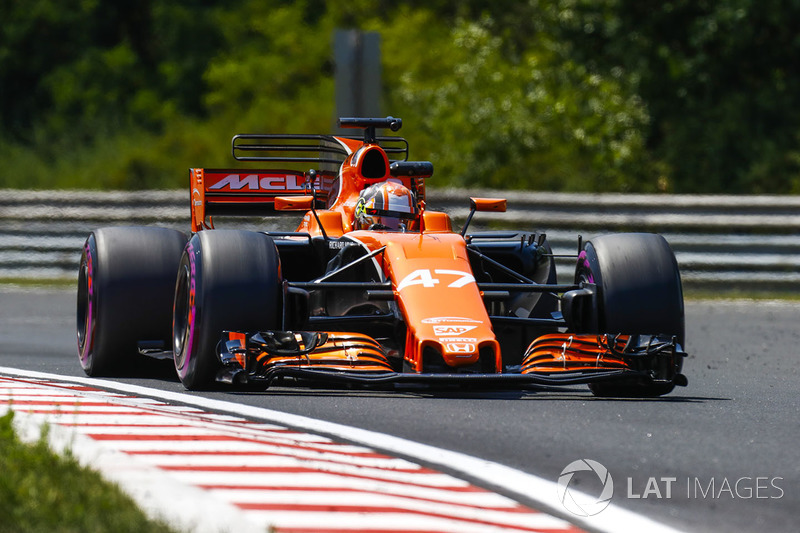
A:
497	205
293	203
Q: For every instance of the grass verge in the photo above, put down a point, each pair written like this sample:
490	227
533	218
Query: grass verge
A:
695	294
36	283
44	492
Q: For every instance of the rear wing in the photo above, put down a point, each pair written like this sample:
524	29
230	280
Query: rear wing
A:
238	192
242	192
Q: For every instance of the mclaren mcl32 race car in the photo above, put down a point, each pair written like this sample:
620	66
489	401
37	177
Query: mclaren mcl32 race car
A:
373	287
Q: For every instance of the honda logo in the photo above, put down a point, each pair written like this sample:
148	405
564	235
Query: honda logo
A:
460	347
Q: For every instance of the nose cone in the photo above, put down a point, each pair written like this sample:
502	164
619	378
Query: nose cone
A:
440	300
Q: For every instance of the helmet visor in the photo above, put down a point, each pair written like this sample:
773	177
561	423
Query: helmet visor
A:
389	219
392	223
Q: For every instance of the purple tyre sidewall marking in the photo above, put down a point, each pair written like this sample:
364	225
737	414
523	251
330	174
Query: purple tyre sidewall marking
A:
192	313
583	261
192	301
88	337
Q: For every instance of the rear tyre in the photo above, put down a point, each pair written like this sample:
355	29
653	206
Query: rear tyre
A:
126	281
227	280
639	291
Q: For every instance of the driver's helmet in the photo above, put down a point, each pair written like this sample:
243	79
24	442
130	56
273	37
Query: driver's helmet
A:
386	205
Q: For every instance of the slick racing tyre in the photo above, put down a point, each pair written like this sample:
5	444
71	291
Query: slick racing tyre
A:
639	291
227	280
126	282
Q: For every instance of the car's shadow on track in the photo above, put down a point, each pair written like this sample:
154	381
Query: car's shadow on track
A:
165	371
544	394
149	369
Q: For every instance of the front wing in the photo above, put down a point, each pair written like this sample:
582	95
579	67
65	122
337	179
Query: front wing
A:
354	358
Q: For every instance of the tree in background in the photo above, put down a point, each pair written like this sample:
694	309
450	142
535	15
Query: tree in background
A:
721	81
592	95
87	87
275	72
528	118
76	66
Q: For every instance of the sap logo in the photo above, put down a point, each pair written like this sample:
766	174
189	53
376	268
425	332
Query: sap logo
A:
460	347
442	331
259	182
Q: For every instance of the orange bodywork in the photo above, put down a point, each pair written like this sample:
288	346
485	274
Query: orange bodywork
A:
428	267
437	294
221	191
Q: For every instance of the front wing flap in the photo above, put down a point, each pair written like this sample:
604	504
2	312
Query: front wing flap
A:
262	355
354	358
657	357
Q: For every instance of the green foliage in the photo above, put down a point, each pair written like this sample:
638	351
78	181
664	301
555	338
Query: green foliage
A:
42	492
276	72
577	95
533	121
721	82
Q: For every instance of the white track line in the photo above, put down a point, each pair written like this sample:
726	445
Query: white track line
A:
235	480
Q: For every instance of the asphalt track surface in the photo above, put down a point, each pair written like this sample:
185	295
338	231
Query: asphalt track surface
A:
726	448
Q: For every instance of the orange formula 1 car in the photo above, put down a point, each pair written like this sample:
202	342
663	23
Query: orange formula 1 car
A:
372	287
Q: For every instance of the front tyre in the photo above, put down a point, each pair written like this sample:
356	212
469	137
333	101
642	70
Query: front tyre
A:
126	281
227	280
639	292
